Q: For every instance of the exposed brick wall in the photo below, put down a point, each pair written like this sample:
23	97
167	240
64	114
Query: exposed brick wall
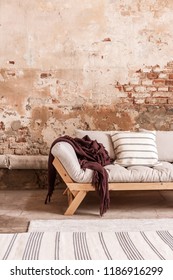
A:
151	86
20	141
145	101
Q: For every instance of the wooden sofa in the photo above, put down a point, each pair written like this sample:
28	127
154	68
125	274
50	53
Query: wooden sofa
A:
76	192
132	178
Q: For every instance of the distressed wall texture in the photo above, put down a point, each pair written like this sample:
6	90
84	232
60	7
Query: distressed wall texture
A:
102	64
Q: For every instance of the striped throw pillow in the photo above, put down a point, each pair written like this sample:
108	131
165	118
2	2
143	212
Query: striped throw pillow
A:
135	148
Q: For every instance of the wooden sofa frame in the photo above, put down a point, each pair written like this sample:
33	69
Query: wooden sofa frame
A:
76	192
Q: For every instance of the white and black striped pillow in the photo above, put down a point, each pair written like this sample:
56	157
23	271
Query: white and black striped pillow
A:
135	148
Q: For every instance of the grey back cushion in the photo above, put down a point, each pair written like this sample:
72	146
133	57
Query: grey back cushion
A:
164	142
103	137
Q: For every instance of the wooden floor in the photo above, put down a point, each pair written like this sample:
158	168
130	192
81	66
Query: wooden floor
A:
18	207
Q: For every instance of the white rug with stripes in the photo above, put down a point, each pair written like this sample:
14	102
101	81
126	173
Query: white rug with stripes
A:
81	245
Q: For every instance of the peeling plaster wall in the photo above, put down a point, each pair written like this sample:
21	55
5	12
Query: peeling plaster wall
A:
102	64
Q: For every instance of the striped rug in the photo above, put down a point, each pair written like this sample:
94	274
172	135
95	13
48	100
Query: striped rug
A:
141	245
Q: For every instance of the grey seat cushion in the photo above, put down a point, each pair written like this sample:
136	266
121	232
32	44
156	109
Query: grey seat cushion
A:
159	173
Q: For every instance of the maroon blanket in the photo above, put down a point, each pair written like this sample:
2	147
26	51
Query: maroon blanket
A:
92	155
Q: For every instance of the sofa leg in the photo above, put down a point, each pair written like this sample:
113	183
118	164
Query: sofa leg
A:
74	204
70	197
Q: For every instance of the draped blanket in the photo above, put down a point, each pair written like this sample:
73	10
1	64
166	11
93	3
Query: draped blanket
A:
92	155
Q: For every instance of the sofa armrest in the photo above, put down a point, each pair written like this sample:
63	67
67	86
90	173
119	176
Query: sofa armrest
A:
67	156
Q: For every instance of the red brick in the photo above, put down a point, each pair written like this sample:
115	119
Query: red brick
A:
171	76
147	82
19	151
159	82
159	100
139	101
165	94
169	83
124	100
163	89
170	101
163	75
152	75
128	88
140	88
140	94
151	89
